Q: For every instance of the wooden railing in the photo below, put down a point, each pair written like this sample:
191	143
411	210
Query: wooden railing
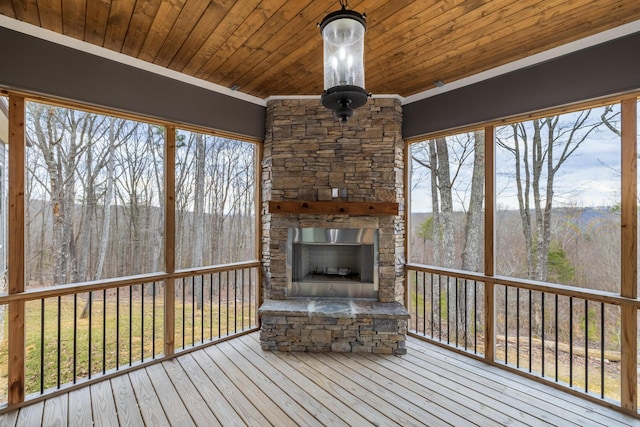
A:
573	338
75	334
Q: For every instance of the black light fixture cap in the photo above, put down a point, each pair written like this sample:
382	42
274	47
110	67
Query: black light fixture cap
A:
344	99
343	13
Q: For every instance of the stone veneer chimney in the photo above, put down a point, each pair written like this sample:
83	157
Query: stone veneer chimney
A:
307	152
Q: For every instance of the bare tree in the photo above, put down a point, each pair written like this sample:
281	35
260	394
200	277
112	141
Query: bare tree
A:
539	150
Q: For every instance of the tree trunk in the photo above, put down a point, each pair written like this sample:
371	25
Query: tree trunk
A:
198	217
472	237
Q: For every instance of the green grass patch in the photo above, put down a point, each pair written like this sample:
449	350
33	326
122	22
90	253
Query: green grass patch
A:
61	346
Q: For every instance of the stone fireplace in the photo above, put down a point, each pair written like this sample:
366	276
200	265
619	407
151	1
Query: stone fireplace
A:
326	185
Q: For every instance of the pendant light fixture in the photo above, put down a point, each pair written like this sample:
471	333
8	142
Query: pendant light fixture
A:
343	38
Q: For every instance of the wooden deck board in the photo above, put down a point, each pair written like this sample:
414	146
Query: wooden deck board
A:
193	401
547	399
171	401
347	414
393	393
266	386
215	400
126	402
30	415
103	404
148	402
485	388
369	391
80	413
260	400
320	412
55	411
242	406
9	419
235	383
438	387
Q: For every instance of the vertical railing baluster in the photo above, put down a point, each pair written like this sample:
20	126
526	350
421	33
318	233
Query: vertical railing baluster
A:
416	302
130	325
227	281
219	305
530	329
475	317
59	344
75	336
586	346
448	315
235	301
517	327
211	306
602	350
201	303
439	308
42	345
556	335
542	317
465	314
456	313
424	302
153	323
90	346
250	293
193	311
142	323
506	324
104	329
117	327
184	315
432	307
570	341
242	290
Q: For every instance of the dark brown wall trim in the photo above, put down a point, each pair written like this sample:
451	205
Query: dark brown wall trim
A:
38	66
605	69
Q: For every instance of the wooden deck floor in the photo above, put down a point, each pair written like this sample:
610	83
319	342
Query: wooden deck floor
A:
236	383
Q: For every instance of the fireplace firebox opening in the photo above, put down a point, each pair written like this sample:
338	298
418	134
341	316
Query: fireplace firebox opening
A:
332	262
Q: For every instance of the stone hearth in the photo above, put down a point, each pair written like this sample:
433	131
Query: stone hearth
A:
310	156
338	325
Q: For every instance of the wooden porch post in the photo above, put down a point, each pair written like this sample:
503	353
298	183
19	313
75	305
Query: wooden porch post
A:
629	261
259	153
16	248
489	235
169	238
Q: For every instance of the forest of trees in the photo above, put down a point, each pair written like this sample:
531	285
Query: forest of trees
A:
557	213
95	192
545	230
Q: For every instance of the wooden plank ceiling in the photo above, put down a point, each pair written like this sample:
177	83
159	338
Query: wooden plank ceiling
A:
273	47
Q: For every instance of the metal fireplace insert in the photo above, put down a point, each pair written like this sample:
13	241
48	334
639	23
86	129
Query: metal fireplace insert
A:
332	262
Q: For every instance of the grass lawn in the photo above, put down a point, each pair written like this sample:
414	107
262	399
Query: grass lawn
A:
119	335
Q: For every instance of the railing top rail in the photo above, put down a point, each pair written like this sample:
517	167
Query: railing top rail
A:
77	288
552	288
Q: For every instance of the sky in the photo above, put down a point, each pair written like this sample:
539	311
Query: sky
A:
590	177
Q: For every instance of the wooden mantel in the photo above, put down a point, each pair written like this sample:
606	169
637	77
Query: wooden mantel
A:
333	208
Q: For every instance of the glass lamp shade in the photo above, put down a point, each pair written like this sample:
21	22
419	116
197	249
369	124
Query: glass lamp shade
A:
343	36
